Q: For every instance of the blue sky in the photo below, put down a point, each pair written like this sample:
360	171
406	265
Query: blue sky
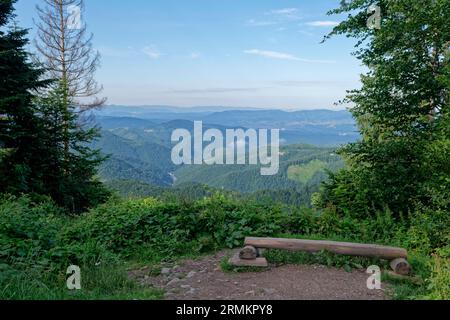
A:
246	53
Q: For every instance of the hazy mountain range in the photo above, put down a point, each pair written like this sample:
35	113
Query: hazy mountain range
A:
138	142
317	127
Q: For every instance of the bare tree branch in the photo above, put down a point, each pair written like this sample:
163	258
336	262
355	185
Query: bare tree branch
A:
67	53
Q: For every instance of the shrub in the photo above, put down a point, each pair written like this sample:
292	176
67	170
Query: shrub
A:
28	230
229	221
439	282
123	227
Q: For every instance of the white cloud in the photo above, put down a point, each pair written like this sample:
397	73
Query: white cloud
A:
283	56
271	54
257	23
274	17
285	11
322	23
152	53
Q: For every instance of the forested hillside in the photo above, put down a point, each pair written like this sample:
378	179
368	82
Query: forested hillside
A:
246	178
143	155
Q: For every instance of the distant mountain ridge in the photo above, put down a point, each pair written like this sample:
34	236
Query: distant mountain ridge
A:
123	109
318	127
208	113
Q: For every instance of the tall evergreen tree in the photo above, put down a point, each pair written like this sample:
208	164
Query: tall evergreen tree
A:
402	108
19	125
70	178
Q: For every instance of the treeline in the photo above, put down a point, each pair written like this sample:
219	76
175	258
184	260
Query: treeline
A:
188	192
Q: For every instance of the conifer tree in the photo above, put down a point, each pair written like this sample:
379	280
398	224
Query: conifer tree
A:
19	124
70	178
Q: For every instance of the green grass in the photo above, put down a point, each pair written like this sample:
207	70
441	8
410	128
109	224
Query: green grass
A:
305	173
98	283
281	257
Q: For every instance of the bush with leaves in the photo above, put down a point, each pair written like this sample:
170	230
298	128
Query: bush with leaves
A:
28	230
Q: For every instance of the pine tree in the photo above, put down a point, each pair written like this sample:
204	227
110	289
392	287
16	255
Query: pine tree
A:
69	178
19	124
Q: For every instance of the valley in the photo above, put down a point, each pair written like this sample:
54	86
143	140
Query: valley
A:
138	143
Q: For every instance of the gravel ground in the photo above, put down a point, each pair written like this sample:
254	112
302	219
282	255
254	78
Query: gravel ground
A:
204	280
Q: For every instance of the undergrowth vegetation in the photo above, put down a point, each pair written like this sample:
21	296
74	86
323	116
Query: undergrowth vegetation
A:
38	242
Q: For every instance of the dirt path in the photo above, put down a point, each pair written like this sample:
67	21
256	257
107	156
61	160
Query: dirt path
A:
204	280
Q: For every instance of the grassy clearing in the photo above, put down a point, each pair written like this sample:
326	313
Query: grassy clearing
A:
306	172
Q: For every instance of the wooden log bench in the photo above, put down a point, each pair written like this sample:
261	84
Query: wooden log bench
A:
249	256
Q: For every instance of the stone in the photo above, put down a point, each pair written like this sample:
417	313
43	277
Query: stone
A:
238	262
192	291
248	253
165	271
269	291
173	281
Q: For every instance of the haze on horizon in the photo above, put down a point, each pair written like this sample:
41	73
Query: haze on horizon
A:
252	54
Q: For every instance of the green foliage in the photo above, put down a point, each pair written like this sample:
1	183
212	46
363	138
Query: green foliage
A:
168	227
69	162
402	110
42	142
280	257
98	283
20	143
439	282
28	231
38	242
137	189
